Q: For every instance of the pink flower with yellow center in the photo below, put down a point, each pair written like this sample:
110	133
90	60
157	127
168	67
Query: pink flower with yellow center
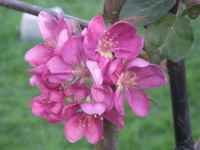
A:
131	79
118	41
79	124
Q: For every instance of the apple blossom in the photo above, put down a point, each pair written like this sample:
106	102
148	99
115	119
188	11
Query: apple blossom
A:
85	77
131	79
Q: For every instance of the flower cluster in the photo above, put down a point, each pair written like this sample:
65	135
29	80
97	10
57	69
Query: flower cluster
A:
84	77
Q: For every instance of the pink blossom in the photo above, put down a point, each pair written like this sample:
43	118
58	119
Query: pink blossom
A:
77	92
49	105
80	124
131	79
85	77
55	33
118	41
54	30
96	98
72	65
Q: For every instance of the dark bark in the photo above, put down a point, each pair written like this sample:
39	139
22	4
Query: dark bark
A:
112	10
34	9
180	106
183	133
110	138
197	145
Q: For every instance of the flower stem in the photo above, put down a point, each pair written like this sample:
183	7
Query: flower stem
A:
109	141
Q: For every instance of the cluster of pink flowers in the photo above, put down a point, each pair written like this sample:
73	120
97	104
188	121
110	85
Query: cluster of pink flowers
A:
85	77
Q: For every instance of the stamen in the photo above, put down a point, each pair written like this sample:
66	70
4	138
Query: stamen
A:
107	54
88	99
127	79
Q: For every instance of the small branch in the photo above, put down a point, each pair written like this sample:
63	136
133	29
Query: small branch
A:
110	138
112	9
34	9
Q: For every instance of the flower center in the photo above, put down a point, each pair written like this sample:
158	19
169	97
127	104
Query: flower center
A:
106	53
127	79
51	43
85	120
81	70
106	46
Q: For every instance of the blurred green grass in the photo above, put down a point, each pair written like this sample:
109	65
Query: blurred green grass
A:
19	130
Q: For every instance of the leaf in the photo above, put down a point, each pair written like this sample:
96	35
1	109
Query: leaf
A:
171	37
134	19
151	10
190	3
193	12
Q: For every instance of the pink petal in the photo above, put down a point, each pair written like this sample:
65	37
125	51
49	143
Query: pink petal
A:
38	55
48	25
93	108
56	96
56	65
115	118
115	68
57	108
138	102
114	65
59	78
72	50
38	81
138	62
128	43
34	81
95	30
70	110
62	38
95	71
41	69
94	131
149	77
54	113
73	129
103	94
77	91
119	102
97	26
53	118
37	108
103	62
131	48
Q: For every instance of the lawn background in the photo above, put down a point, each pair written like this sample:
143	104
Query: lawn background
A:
19	130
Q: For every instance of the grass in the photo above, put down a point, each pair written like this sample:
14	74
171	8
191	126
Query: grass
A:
19	130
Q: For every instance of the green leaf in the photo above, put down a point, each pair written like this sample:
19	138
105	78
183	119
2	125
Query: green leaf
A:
171	37
151	10
193	12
